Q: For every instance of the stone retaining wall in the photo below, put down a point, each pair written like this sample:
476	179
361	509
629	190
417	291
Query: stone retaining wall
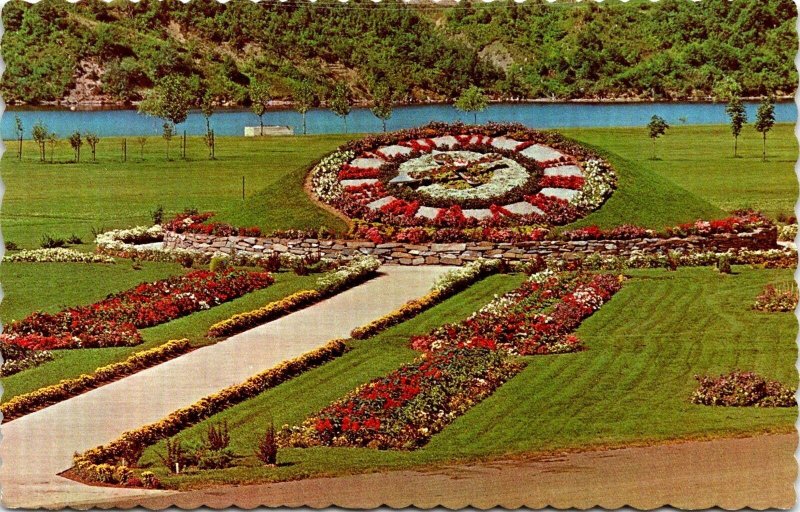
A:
458	253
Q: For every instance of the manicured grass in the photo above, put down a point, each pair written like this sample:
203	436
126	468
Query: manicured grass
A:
632	385
700	160
695	177
65	198
81	289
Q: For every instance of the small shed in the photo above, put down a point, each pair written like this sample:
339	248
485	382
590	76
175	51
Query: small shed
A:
256	131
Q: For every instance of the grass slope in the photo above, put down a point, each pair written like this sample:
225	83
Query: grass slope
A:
84	283
631	386
696	177
700	160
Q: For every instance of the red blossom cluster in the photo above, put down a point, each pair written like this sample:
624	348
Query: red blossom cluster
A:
521	326
349	172
189	222
571	182
623	232
740	221
401	207
114	320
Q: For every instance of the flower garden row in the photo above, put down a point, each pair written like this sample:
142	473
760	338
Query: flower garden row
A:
462	364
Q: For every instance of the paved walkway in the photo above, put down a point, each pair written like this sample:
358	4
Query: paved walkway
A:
757	472
36	447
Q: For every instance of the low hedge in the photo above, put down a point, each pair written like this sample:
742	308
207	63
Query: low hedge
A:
448	285
109	463
355	272
68	388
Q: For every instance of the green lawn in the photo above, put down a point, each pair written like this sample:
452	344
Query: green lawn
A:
696	177
60	285
631	386
700	160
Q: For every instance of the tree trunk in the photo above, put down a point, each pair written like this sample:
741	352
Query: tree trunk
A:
20	148
167	151
764	149
474	118
304	123
654	148
345	124
261	124
384	125
93	155
735	144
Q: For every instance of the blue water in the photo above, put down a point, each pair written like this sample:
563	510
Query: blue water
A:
536	115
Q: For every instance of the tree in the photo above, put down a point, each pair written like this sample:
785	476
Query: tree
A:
382	104
141	141
341	102
20	133
39	134
207	108
260	98
92	139
304	98
170	100
765	120
168	130
472	100
657	127
76	142
52	141
738	115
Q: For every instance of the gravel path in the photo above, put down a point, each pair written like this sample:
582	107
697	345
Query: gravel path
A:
36	447
757	472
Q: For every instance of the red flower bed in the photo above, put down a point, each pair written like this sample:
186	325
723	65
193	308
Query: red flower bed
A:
536	318
743	389
348	172
405	408
114	321
571	182
401	207
191	222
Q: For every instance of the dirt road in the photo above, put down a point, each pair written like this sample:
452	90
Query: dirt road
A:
757	472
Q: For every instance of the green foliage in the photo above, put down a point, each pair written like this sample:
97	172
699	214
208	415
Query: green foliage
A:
304	98
341	102
171	98
765	120
472	100
92	139
671	49
655	129
382	103
738	115
39	134
259	98
76	142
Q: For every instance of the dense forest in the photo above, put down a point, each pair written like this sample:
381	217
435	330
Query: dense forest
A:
669	50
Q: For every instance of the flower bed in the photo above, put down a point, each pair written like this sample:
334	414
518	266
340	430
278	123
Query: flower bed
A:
17	359
405	408
446	286
57	255
776	300
194	222
743	389
536	318
29	402
114	321
350	274
458	177
109	463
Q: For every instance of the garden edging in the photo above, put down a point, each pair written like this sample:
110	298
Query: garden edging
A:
762	238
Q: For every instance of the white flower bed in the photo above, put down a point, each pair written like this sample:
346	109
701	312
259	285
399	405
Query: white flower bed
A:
325	175
599	182
124	239
466	273
357	267
57	255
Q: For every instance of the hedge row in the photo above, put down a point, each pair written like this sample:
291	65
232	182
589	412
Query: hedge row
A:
68	388
349	275
103	462
448	285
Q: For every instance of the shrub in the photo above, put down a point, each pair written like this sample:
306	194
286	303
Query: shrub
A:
724	264
271	263
48	242
74	239
11	246
787	233
186	260
149	480
217	436
219	263
777	300
175	457
267	451
742	389
214	459
158	215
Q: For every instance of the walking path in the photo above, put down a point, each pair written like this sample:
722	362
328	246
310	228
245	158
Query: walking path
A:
757	472
36	447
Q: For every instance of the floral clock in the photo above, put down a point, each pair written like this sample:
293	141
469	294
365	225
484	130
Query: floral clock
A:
457	176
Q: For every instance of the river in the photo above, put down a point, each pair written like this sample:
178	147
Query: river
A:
232	121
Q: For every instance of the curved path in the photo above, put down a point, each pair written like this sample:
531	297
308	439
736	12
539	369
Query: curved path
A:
757	472
36	447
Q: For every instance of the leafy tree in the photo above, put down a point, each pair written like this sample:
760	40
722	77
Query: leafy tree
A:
341	102
92	139
304	98
656	128
260	98
20	132
382	103
52	141
168	131
76	142
39	134
170	100
738	115
472	100
207	107
765	120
